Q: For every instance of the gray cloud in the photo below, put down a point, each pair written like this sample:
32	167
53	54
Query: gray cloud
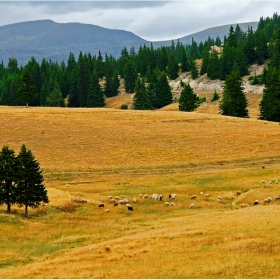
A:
151	20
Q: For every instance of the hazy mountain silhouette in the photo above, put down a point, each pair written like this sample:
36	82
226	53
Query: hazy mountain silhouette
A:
55	41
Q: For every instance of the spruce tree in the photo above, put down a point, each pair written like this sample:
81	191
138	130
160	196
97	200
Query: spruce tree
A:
31	191
55	99
27	88
188	99
141	100
270	103
8	177
163	92
234	102
95	94
130	76
173	68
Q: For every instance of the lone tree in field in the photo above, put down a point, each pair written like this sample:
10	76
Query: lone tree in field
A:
234	102
27	89
30	188
188	99
8	173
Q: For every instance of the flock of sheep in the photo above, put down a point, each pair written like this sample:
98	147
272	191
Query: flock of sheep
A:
123	200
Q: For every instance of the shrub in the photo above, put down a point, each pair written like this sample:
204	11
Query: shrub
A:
124	106
215	97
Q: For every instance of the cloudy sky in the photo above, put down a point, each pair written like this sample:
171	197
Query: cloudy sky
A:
151	20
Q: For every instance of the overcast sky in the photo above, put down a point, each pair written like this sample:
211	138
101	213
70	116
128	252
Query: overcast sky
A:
151	20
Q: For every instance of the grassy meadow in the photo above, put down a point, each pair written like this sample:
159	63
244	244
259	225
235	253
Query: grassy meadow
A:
94	153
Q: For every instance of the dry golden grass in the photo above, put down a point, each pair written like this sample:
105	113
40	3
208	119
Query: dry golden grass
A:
93	153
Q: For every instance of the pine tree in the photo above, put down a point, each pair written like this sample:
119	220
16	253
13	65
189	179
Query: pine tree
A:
270	103
130	76
234	102
173	68
55	99
31	191
141	100
163	92
194	70
8	177
27	88
188	99
95	94
205	59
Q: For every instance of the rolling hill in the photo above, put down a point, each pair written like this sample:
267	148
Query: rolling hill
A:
55	41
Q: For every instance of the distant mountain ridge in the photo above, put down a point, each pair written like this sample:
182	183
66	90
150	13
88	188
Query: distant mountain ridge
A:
55	41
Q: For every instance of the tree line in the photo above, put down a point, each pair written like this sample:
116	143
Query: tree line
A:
21	179
77	82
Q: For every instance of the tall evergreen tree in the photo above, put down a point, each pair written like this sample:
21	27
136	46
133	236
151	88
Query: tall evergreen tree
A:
31	191
163	92
8	177
173	68
141	100
95	93
188	99
270	103
234	102
130	76
27	88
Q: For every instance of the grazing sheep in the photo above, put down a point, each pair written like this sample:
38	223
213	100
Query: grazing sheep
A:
112	200
276	181
101	205
268	199
277	197
121	201
125	200
110	197
201	193
206	195
244	205
106	210
128	205
264	181
191	206
167	203
220	197
193	197
140	195
83	201
160	197
172	196
256	202
145	196
116	204
134	200
172	203
129	208
116	197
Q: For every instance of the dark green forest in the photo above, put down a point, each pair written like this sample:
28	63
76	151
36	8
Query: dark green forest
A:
76	82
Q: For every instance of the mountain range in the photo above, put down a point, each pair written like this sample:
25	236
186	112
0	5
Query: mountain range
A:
55	41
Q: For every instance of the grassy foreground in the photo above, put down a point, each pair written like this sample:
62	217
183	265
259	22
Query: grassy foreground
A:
94	153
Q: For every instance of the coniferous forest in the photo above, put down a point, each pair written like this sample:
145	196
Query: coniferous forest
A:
76	82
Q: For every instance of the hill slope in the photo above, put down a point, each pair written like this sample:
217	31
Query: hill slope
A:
46	38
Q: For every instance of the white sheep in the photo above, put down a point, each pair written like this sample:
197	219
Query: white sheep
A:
201	193
276	181
172	196
140	195
145	196
193	197
191	206
134	200
206	195
167	203
110	197
172	203
220	197
106	210
277	197
268	199
256	202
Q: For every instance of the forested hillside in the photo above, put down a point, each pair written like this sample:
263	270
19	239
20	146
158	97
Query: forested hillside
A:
87	80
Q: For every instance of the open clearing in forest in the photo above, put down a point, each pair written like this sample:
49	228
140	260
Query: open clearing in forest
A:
94	153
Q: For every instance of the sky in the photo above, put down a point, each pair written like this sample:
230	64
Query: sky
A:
151	20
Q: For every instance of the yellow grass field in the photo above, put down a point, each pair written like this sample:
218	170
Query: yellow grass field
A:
94	153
